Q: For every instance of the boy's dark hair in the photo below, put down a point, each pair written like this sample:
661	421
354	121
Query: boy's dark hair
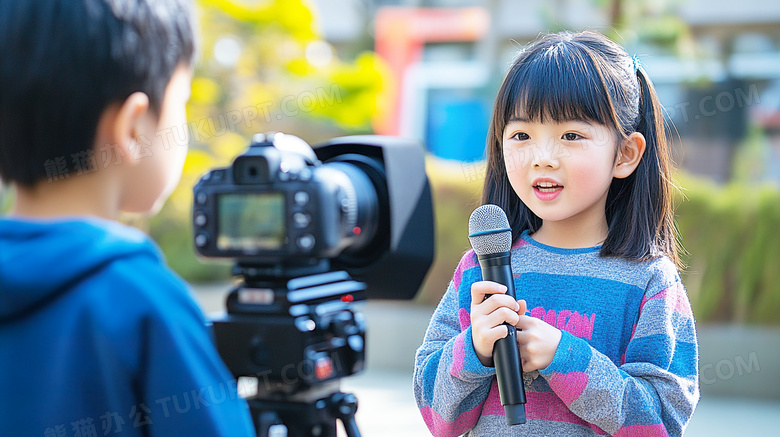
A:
65	61
586	76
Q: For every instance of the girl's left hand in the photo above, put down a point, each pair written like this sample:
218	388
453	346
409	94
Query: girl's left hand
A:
537	341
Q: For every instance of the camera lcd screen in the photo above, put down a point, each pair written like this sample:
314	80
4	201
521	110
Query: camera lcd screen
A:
251	222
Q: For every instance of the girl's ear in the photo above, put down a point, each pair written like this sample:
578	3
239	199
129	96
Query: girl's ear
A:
128	125
629	155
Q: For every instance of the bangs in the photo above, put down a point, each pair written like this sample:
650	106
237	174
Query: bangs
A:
558	84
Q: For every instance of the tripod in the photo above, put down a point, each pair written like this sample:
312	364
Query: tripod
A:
278	418
296	337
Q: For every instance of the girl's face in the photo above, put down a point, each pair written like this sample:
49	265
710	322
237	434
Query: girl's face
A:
561	171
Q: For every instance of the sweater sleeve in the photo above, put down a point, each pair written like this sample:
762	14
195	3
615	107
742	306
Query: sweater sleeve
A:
655	389
450	383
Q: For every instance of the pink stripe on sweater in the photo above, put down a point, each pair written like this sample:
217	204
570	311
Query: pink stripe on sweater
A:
468	261
675	298
442	428
458	355
569	386
657	430
519	243
549	407
545	406
492	404
465	319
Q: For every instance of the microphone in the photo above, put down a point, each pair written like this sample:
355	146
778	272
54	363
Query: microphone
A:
491	239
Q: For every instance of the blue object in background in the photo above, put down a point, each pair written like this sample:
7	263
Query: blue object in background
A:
457	125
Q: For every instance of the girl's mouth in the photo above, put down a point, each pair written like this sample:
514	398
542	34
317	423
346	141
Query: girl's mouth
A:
547	190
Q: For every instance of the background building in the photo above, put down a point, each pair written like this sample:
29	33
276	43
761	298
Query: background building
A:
715	64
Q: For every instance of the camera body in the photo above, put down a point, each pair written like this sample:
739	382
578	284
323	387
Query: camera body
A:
274	204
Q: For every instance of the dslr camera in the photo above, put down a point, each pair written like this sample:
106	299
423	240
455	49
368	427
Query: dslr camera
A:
311	231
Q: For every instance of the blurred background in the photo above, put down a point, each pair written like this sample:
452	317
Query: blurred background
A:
430	69
319	69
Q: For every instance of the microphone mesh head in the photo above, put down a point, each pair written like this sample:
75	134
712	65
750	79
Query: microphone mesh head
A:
489	218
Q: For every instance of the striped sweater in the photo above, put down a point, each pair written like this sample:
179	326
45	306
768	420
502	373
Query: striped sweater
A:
626	364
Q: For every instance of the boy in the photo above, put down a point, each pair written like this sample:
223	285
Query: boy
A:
97	335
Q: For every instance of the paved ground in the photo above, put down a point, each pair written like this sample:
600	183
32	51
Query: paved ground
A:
386	401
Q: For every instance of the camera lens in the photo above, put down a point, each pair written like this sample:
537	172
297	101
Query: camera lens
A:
355	203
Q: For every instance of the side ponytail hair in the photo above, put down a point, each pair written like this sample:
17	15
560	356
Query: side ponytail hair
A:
639	209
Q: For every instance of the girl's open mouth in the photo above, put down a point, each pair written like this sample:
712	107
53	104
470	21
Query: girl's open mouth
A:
547	190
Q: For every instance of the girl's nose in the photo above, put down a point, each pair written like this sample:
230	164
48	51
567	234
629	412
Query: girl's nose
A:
545	156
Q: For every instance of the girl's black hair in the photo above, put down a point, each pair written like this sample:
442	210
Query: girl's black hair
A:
586	76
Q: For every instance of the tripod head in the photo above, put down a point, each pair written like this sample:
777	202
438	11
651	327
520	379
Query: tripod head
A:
293	334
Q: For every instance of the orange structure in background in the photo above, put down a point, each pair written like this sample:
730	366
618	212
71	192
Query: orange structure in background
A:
401	34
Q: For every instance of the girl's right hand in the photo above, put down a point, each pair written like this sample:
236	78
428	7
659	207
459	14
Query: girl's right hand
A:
488	315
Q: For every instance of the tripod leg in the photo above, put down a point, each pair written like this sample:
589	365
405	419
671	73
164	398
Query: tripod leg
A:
345	407
350	426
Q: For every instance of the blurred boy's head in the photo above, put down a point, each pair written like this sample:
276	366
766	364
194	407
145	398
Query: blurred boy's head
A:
86	86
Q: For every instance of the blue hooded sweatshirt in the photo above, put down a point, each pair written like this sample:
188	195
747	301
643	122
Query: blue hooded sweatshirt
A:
99	337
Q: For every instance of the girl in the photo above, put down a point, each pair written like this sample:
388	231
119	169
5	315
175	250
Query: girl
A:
578	159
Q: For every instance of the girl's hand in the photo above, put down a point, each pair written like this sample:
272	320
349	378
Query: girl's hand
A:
538	341
488	315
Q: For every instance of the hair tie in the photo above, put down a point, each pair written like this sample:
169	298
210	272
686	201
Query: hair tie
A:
637	63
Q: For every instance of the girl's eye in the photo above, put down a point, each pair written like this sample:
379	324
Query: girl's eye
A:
571	136
520	136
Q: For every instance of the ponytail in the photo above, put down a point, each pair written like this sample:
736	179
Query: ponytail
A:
639	208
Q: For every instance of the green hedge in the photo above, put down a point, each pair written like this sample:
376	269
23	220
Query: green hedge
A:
731	236
729	232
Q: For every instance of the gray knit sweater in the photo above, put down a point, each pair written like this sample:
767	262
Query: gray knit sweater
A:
626	364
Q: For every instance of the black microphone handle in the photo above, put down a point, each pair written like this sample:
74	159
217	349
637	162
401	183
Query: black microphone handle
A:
496	267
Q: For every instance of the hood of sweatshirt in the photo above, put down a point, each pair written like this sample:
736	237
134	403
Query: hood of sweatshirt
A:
40	258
